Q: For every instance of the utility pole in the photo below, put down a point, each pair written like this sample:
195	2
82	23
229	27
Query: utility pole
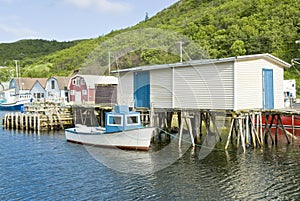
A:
17	72
108	63
180	46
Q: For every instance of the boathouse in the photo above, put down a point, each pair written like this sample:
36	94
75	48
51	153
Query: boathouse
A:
39	87
106	91
83	87
235	83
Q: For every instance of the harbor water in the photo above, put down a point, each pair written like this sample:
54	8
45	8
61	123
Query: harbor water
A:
43	166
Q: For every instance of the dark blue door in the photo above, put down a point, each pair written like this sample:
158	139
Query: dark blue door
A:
142	89
268	89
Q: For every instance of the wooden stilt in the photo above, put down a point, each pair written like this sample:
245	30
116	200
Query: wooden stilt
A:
187	120
230	133
247	135
213	117
180	130
260	127
242	134
276	132
16	121
197	125
285	132
189	125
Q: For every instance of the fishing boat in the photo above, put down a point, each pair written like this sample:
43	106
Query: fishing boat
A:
123	129
9	101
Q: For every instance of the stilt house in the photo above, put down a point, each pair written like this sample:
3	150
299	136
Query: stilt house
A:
235	83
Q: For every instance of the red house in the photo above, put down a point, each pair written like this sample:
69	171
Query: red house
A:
82	87
78	89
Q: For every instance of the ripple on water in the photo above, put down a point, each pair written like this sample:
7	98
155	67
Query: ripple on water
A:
45	167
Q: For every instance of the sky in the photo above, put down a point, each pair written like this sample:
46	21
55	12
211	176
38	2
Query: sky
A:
67	20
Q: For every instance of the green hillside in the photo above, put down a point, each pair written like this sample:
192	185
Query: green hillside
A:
28	53
207	28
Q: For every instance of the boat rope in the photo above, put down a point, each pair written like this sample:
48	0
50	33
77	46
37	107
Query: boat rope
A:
196	144
213	148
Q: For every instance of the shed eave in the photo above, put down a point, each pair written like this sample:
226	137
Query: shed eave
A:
265	56
175	65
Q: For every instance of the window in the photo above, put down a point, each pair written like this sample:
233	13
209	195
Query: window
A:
74	82
115	120
133	119
82	82
84	92
72	92
52	84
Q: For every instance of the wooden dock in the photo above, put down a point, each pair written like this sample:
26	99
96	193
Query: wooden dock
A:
248	128
252	128
40	116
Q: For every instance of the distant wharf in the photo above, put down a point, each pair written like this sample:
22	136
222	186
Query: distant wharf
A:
40	116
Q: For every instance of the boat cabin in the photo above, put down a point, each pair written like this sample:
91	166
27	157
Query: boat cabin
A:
122	119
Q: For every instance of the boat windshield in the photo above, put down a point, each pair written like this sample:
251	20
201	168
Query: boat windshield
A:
133	119
115	120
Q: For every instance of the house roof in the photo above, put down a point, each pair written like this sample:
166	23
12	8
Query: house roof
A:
208	61
27	83
92	80
63	82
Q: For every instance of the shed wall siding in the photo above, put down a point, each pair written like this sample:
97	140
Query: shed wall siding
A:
249	84
125	89
205	87
106	94
161	88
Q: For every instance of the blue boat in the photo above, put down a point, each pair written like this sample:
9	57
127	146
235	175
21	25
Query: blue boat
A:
16	106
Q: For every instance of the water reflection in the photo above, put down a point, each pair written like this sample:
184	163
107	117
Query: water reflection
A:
138	162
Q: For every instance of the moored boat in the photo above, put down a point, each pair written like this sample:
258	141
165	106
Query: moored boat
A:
123	130
13	102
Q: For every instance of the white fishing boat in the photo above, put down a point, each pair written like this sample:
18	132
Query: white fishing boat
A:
10	101
123	130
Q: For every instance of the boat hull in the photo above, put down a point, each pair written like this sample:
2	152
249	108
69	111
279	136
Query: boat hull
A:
136	139
12	107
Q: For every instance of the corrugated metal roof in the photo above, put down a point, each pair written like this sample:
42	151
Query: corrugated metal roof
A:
91	80
207	61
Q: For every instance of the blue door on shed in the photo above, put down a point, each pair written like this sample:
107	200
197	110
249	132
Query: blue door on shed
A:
268	89
142	89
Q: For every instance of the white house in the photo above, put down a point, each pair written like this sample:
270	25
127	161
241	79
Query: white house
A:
48	88
289	88
235	83
37	90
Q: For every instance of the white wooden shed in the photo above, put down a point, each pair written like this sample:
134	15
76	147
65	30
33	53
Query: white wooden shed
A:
235	83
